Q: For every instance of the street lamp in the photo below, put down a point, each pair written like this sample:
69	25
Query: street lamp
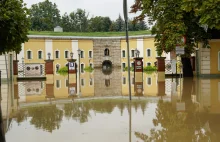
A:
48	54
71	55
79	53
137	52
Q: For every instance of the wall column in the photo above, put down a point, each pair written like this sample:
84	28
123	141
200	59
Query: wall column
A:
49	71
72	86
161	68
138	76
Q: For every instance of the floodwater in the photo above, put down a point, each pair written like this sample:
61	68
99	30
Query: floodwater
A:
174	110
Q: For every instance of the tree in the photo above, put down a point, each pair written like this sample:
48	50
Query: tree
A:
14	25
172	22
44	16
99	24
66	23
120	24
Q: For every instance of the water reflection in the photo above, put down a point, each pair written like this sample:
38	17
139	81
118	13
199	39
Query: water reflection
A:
174	110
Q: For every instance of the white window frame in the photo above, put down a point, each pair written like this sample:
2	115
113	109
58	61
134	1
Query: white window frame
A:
91	54
150	64
42	55
150	81
67	54
147	52
81	67
59	83
56	54
82	54
91	79
123	80
83	82
122	66
31	54
122	54
131	52
218	60
66	82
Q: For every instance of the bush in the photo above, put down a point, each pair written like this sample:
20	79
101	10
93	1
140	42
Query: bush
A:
63	71
149	69
88	69
131	68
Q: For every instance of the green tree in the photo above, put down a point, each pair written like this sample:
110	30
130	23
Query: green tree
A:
99	24
44	16
120	24
66	23
14	25
172	22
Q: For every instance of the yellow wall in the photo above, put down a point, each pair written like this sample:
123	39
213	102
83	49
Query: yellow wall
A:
150	90
215	48
149	44
34	45
125	87
214	97
86	46
62	46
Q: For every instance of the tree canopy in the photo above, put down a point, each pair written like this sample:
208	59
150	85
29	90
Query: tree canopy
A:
174	19
14	25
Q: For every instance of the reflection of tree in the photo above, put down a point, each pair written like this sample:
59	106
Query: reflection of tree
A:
46	117
175	126
49	117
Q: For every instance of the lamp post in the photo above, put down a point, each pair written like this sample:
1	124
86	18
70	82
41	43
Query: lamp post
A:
79	53
71	55
137	52
48	54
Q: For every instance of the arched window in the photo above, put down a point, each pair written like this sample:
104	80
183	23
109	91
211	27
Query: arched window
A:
57	67
148	52
106	52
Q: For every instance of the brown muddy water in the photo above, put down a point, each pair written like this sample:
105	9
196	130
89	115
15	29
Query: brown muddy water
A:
181	110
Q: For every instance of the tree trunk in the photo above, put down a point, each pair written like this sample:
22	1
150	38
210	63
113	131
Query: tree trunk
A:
187	68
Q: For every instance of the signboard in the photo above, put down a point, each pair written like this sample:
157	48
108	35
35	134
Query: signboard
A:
173	65
180	50
72	90
138	66
71	66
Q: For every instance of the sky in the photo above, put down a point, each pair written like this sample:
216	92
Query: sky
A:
111	8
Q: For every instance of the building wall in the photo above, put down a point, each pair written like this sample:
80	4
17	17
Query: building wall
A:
215	48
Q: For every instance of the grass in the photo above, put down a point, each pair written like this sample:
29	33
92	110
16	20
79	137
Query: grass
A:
90	34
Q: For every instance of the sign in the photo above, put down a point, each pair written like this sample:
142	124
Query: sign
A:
72	90
180	50
173	65
180	106
71	66
138	66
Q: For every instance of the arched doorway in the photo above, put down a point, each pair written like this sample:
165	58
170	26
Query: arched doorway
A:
107	67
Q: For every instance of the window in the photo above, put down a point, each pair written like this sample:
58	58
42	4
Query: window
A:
148	52
123	66
67	82
90	64
124	80
90	54
82	82
123	53
40	55
132	65
66	54
57	67
106	52
219	61
82	68
148	64
29	54
107	82
57	54
82	54
90	81
149	81
57	83
132	53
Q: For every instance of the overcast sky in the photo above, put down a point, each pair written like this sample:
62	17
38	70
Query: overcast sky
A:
111	8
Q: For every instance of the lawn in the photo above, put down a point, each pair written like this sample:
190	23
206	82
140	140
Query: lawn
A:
90	34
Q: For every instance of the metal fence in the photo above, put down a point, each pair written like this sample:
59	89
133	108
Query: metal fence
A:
31	70
170	63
